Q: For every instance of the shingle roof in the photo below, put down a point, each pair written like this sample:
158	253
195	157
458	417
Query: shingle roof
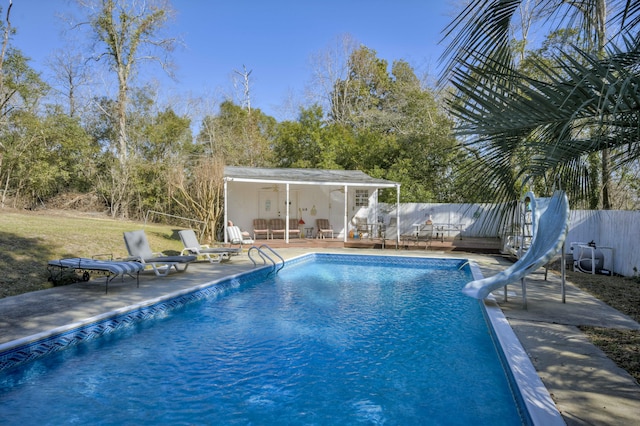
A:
305	176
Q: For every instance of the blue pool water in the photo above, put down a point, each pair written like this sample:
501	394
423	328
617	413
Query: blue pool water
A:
327	341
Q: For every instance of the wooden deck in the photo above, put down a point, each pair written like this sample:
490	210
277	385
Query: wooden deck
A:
469	245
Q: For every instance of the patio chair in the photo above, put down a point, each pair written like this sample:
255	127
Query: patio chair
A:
294	229
390	231
277	227
212	254
362	227
411	235
140	251
324	228
425	233
260	227
235	236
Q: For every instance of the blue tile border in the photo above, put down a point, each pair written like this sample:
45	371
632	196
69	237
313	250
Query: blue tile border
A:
21	351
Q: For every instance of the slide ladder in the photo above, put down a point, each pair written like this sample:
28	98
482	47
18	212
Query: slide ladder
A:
262	253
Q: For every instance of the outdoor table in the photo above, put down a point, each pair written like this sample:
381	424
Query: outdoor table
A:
441	228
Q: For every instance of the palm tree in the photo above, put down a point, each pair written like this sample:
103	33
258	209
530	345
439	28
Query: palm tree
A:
542	130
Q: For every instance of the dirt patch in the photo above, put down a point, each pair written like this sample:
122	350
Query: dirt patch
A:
622	346
75	203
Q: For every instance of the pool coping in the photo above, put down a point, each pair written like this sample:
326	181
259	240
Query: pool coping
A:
535	396
540	407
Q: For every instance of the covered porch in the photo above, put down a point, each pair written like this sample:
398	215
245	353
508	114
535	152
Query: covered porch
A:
302	196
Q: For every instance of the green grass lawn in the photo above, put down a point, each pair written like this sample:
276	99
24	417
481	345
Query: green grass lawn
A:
28	240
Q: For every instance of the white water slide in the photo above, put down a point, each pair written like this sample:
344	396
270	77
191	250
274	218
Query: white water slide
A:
550	224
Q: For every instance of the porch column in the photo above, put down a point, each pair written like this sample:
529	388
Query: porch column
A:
226	214
346	214
375	212
286	223
397	216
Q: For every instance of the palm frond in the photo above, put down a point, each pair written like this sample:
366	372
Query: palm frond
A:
584	104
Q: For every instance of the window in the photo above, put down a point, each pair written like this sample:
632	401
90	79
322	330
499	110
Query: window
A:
362	198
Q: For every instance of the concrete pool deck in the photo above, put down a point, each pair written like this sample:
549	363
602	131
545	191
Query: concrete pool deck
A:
587	387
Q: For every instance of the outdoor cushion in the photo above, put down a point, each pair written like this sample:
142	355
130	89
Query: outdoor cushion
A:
110	267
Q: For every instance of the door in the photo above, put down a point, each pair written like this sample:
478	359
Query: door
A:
267	205
273	204
293	204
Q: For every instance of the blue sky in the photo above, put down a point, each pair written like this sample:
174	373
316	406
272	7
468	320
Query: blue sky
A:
274	39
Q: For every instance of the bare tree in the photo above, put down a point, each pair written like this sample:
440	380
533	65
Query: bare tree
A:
127	34
246	92
5	44
5	97
328	67
200	192
71	75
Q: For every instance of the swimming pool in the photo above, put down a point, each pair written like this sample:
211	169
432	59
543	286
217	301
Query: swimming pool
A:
332	339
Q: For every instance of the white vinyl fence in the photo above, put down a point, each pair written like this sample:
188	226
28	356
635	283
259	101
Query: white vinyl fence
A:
619	230
476	220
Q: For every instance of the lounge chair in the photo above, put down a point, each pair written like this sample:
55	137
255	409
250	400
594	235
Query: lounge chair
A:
235	236
212	254
277	227
260	227
140	251
324	228
111	269
293	228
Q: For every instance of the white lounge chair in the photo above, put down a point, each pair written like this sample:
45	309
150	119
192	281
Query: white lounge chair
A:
235	236
140	251
212	254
